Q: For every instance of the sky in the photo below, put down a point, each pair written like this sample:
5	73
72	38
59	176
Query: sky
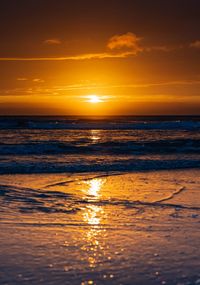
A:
138	57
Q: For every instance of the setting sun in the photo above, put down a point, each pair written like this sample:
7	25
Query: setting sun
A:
94	99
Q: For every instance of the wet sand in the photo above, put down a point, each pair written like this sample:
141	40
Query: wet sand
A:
133	228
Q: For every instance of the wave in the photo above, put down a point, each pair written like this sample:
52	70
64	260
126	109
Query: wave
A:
162	146
152	123
124	144
29	167
33	200
28	200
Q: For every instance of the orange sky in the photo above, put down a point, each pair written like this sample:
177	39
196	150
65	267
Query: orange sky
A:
137	57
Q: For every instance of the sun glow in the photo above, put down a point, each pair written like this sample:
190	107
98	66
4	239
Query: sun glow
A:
94	99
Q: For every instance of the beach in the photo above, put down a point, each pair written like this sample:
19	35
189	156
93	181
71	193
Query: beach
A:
100	142
98	228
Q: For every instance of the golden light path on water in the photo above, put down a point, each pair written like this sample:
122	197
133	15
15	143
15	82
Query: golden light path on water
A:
93	216
94	188
95	135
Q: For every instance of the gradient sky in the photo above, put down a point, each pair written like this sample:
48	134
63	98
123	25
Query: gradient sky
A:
139	57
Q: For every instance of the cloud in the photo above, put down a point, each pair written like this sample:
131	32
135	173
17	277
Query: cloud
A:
132	43
161	48
127	41
86	56
22	79
38	80
65	90
119	46
195	44
154	84
53	41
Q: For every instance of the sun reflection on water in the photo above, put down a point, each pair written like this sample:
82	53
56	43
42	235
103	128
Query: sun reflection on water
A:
95	135
93	217
95	187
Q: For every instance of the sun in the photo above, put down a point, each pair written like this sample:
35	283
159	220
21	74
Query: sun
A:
94	99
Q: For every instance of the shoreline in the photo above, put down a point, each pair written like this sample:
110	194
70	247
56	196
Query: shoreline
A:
81	229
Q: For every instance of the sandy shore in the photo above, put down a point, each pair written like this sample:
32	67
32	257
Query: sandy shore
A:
135	228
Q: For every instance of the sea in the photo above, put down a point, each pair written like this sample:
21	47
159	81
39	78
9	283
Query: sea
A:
85	144
99	200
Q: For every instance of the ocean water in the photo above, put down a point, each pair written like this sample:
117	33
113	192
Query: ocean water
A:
74	144
92	201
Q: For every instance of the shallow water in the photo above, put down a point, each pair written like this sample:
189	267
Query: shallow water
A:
94	228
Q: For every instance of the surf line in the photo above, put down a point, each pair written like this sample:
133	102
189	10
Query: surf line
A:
172	195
